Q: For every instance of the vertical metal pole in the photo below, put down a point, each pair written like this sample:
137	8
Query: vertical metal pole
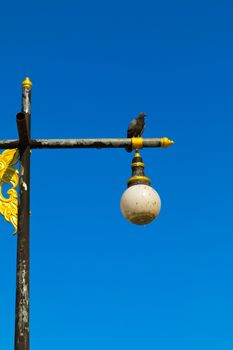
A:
23	261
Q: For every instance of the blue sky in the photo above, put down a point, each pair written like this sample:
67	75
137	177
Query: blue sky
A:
97	281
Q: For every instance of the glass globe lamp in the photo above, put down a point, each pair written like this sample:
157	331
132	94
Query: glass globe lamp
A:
140	203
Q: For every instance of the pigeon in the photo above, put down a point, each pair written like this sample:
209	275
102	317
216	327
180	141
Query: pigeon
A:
136	127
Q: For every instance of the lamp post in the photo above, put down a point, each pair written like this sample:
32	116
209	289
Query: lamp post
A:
140	203
23	262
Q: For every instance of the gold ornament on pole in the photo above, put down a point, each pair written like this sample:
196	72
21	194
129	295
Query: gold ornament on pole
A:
137	143
9	175
165	142
27	83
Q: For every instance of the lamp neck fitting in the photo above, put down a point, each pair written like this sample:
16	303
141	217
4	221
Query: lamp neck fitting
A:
138	177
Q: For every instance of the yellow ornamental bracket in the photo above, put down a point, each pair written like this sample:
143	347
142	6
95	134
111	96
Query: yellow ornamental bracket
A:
9	176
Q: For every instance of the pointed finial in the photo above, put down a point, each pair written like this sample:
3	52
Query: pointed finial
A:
165	142
27	82
137	154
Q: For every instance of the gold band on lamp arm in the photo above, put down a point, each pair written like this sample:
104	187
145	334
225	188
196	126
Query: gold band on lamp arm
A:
165	142
9	175
137	143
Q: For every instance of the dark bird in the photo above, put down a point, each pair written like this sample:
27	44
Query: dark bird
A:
136	127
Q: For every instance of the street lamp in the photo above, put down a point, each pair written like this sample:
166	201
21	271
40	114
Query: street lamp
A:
140	203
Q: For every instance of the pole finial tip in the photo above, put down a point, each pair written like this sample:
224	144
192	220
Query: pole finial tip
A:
165	142
27	82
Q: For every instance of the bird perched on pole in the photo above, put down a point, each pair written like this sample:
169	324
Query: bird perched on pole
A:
136	127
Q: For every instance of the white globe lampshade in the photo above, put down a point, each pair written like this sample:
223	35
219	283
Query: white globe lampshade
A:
140	204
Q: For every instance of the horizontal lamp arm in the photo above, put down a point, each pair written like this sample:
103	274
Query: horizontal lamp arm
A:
90	143
85	143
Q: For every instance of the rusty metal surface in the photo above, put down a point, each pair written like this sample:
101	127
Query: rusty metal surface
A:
22	341
90	143
80	143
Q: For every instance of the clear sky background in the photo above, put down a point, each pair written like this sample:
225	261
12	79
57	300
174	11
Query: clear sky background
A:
97	281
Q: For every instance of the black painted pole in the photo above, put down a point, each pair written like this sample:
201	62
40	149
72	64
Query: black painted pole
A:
23	262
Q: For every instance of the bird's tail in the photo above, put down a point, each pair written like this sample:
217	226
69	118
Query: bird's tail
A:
128	149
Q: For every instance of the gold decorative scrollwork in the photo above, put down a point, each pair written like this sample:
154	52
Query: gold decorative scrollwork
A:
9	175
